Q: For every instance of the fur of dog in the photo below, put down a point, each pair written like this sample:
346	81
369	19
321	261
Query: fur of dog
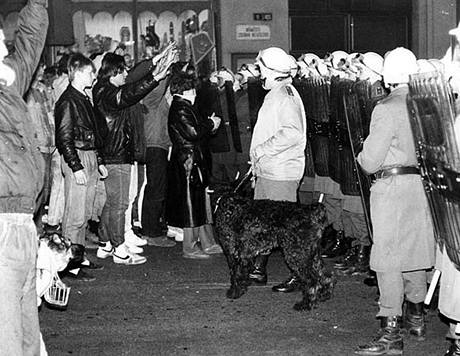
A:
246	228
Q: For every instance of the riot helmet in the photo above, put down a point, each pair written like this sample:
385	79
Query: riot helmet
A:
224	75
275	65
339	59
398	64
246	71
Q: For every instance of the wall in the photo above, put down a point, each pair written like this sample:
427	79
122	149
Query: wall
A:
240	12
431	22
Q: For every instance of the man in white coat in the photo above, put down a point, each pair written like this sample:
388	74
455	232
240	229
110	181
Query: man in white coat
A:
403	233
277	148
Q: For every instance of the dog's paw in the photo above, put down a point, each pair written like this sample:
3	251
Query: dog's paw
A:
302	305
235	292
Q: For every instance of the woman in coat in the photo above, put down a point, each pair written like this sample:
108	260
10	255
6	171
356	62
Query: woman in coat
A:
186	202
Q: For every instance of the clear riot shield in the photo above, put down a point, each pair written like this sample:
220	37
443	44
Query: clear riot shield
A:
433	116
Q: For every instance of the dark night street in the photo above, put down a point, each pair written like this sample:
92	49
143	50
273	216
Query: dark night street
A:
174	306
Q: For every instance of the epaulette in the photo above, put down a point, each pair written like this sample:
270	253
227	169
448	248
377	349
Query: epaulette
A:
289	90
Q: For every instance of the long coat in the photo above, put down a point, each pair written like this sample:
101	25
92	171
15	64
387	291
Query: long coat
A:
187	172
449	286
402	227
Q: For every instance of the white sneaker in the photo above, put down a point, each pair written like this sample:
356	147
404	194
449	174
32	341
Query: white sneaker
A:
132	239
121	255
175	232
179	235
104	250
133	248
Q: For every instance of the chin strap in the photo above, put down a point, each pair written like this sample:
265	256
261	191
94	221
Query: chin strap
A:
7	74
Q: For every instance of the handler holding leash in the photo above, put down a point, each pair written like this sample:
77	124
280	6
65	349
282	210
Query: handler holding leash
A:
277	149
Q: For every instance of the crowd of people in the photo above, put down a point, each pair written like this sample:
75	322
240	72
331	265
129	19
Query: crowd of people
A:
133	149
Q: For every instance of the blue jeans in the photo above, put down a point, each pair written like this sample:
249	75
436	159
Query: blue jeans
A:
19	329
113	214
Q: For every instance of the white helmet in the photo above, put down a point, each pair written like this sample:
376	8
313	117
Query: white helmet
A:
303	69
274	64
311	59
213	77
246	71
225	75
398	65
294	67
373	61
438	64
425	66
315	65
339	59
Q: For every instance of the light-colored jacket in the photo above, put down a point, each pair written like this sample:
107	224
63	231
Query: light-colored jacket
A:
279	138
402	227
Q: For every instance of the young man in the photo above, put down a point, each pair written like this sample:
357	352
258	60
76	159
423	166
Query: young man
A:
277	149
21	180
113	98
78	138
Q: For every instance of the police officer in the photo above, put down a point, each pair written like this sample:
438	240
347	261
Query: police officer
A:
278	142
403	233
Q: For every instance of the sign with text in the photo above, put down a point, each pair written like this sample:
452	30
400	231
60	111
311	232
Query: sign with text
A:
262	16
252	32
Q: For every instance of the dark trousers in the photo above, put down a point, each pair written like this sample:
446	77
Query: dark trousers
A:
113	214
153	204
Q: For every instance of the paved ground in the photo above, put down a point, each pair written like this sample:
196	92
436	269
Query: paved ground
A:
173	306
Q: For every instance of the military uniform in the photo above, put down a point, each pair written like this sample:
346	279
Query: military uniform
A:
403	233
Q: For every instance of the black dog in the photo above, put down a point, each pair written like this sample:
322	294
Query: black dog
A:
246	228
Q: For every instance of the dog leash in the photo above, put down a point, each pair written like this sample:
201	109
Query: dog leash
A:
247	176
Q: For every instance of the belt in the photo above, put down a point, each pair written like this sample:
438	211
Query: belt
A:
396	171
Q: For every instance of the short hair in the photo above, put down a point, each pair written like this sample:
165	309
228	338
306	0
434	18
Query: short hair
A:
181	82
112	64
183	78
77	62
62	64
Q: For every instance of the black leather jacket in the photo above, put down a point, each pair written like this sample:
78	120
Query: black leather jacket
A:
77	127
115	105
186	182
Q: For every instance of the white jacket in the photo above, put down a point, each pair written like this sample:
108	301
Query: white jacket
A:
279	137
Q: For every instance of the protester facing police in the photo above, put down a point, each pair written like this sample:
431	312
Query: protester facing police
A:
277	149
112	99
403	246
187	205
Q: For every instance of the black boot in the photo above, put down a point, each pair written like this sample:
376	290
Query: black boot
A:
328	238
371	279
292	284
388	341
454	349
339	248
348	260
259	273
361	263
414	319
